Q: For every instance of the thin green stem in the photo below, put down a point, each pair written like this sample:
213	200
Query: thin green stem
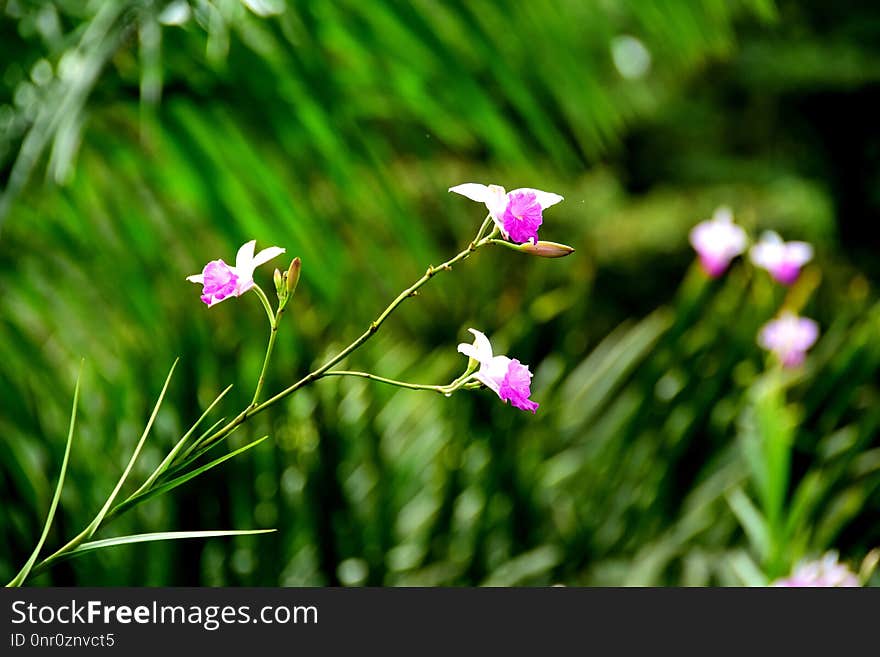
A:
374	326
272	335
483	227
505	243
265	301
391	382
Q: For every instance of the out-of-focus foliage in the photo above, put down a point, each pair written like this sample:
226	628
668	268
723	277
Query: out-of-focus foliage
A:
140	139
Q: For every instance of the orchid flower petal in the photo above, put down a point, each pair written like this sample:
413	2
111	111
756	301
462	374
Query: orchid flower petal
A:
468	350
545	199
516	386
799	252
492	373
473	191
244	259
266	255
482	345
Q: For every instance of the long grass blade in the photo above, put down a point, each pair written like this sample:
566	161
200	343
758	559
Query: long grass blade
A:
198	453
26	569
189	450
140	497
163	466
91	546
93	526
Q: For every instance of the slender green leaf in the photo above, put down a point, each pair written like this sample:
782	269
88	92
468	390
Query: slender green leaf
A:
210	430
93	526
143	496
26	569
201	451
753	523
747	570
91	546
179	446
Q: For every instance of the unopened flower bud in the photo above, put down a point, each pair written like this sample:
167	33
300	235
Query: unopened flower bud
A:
293	275
278	281
546	249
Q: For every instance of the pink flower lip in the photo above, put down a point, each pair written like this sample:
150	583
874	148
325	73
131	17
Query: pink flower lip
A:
712	265
515	387
219	280
522	217
786	273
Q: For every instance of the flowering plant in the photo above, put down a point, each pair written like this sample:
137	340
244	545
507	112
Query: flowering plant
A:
513	221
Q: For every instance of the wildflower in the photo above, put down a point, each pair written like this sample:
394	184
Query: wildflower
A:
220	281
717	241
518	214
782	259
507	378
825	572
789	337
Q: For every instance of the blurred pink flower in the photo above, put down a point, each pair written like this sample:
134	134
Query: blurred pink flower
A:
789	337
220	281
825	572
518	214
717	241
508	378
782	259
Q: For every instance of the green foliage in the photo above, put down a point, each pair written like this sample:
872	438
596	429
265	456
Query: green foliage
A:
663	451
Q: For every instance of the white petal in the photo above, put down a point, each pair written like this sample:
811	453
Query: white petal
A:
492	373
244	258
468	350
766	254
545	199
196	278
493	384
799	252
266	255
806	334
482	345
496	203
473	191
243	286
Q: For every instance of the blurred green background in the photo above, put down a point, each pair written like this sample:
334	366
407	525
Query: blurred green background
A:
140	139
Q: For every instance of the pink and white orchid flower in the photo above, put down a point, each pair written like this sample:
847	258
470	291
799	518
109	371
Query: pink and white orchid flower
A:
789	337
221	281
782	259
518	214
717	241
507	378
